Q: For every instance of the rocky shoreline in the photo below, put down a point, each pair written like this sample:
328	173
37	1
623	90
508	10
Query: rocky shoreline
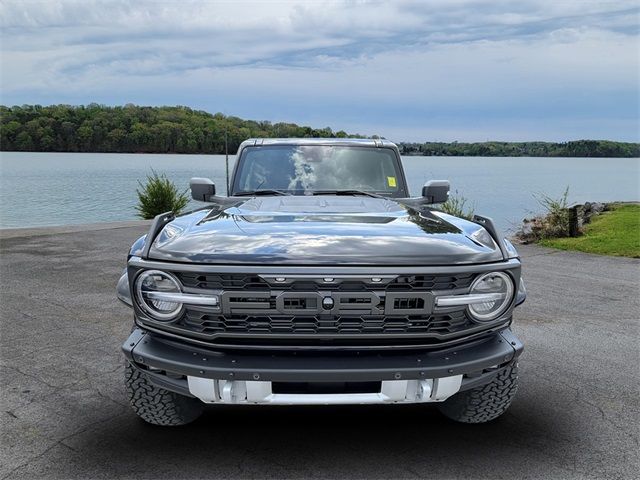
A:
562	223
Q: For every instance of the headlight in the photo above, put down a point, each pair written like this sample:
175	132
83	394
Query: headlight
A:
156	292
496	290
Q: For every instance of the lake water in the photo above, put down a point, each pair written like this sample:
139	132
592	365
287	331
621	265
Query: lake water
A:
41	189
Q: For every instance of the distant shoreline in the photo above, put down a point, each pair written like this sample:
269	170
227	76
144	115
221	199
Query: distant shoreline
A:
181	130
404	154
514	156
572	149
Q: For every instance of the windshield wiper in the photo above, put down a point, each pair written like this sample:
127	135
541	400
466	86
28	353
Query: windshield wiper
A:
347	192
264	191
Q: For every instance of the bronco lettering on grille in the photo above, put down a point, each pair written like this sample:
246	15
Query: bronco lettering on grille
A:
315	303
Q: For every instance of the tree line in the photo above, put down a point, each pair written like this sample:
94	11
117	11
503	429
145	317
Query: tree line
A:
135	129
138	129
578	148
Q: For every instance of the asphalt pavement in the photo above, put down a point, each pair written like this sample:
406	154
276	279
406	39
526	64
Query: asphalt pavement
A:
64	413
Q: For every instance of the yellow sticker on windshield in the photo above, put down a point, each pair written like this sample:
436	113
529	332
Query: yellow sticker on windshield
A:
391	181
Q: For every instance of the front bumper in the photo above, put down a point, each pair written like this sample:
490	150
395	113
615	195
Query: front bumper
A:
217	376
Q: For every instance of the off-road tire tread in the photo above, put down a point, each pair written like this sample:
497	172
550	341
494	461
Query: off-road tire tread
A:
156	405
485	403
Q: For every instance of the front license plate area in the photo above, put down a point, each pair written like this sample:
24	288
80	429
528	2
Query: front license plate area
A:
309	388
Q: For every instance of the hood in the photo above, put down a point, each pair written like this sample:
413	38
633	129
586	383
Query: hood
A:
323	230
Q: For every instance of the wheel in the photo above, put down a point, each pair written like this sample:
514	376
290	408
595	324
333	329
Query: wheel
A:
484	403
156	405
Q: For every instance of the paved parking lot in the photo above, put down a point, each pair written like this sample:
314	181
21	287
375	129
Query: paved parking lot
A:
65	415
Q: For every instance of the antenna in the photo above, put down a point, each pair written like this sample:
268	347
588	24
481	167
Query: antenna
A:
226	153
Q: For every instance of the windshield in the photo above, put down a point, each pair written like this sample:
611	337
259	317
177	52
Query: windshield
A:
300	169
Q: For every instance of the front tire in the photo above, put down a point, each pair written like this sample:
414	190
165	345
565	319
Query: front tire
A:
485	403
156	405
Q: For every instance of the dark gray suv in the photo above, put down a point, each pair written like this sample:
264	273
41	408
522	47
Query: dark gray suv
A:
318	280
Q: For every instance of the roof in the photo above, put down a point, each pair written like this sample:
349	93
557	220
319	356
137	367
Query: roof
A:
357	142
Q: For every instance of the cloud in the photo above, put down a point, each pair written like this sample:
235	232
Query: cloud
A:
456	65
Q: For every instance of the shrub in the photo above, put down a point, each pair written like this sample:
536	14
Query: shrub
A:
159	195
555	222
456	206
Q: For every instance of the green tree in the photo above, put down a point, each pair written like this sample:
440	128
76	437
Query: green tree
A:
84	136
24	142
159	195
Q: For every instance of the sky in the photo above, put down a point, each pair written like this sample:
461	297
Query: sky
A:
441	70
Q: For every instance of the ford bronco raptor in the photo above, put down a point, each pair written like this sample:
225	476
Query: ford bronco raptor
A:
318	280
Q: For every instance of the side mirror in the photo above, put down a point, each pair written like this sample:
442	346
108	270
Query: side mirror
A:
436	191
202	189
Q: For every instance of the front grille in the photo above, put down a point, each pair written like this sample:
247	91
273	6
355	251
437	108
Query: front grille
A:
210	324
300	310
431	282
231	282
222	281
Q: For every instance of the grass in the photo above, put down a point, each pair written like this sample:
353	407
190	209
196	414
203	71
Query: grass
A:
615	232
